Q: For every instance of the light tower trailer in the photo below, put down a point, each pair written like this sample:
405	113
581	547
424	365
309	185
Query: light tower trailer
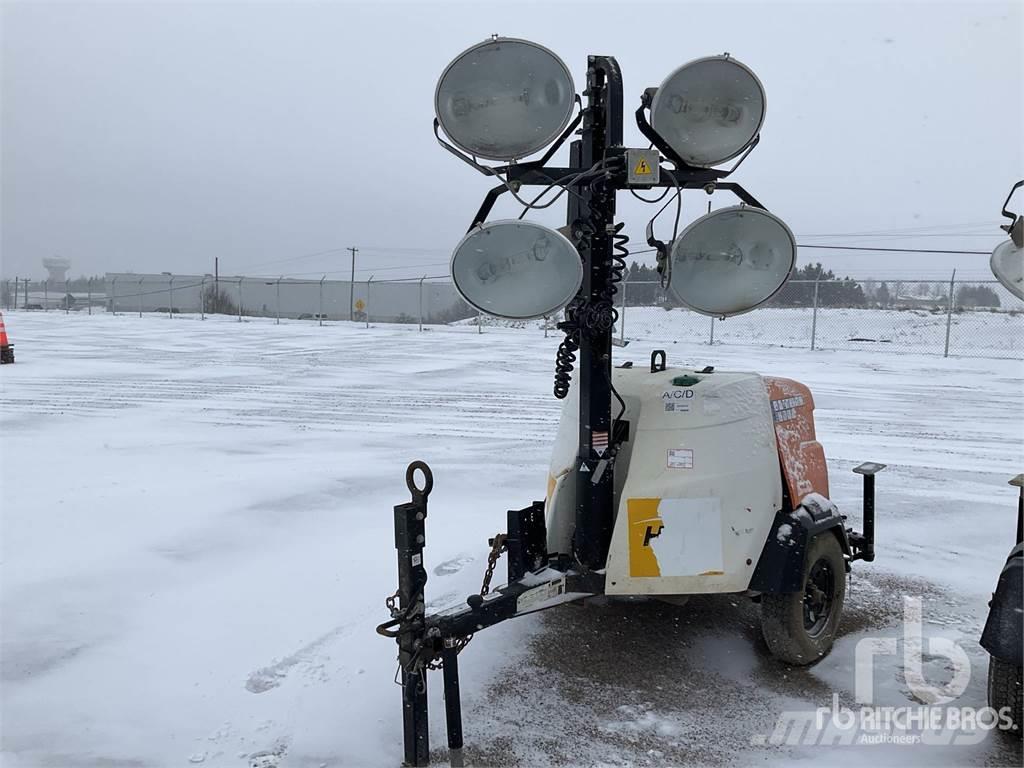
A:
703	482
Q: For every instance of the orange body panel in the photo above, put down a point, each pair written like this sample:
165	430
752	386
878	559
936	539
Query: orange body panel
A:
802	458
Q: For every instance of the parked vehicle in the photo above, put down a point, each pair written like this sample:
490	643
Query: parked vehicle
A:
1003	637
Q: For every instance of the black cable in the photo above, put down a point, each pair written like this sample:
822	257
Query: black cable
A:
658	199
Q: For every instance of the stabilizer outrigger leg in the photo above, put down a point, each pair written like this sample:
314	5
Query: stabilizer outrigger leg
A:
535	581
407	623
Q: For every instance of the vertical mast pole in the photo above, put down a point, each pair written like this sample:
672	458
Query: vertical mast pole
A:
602	128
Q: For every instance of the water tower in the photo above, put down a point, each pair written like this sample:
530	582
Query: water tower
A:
58	267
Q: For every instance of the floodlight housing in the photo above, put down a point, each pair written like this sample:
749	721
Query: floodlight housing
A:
516	269
731	261
709	110
1007	265
504	98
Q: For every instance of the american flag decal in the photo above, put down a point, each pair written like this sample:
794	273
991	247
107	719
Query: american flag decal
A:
599	442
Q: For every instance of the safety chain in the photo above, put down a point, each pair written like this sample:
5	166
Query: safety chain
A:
419	662
498	545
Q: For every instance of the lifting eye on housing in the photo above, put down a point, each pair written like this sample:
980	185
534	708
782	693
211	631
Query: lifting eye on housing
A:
658	360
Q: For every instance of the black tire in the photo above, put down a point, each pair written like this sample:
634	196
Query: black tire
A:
1004	690
800	627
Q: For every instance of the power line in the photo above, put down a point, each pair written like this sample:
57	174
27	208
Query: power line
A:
890	250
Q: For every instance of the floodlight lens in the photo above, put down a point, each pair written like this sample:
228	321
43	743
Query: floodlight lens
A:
731	260
516	269
1007	264
709	110
504	99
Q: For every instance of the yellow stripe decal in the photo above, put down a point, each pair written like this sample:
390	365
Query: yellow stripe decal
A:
644	523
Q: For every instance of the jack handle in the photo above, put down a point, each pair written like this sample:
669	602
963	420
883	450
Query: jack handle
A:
866	543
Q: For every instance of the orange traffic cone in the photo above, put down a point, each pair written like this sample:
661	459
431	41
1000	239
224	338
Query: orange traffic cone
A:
6	348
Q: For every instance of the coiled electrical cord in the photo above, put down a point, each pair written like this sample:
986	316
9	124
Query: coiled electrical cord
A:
564	360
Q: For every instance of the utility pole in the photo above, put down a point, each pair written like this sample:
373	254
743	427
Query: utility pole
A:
352	286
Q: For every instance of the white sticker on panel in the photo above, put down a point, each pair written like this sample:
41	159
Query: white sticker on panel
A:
690	541
679	458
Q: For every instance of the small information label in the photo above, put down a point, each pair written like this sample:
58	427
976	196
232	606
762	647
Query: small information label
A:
680	458
417	559
785	409
534	597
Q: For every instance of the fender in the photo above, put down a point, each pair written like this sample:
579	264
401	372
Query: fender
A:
1004	628
781	565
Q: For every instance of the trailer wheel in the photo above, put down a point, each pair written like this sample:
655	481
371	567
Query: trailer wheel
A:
1005	690
799	627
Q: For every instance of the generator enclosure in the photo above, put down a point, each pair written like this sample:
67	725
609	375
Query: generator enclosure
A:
709	461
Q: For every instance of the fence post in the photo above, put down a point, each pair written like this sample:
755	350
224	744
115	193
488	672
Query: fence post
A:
141	279
370	280
170	289
90	295
278	299
320	314
622	314
240	299
17	287
479	322
46	295
67	303
949	312
814	314
711	341
421	302
202	298
113	296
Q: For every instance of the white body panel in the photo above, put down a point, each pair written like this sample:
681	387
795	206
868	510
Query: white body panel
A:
697	484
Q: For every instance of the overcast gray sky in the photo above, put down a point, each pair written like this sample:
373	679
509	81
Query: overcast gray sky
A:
152	137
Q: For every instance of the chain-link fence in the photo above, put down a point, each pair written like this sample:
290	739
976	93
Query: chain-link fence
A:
951	317
428	299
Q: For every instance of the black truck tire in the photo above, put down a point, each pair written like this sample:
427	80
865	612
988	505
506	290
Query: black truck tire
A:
799	627
1005	690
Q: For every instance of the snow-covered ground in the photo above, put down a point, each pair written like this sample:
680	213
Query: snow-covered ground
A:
197	543
975	333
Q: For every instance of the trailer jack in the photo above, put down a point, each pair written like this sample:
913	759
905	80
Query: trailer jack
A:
536	581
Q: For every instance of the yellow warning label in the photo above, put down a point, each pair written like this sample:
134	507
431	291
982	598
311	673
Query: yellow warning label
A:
642	168
644	525
360	305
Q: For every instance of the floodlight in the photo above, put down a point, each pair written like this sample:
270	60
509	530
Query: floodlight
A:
516	269
504	98
1007	264
709	110
731	260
